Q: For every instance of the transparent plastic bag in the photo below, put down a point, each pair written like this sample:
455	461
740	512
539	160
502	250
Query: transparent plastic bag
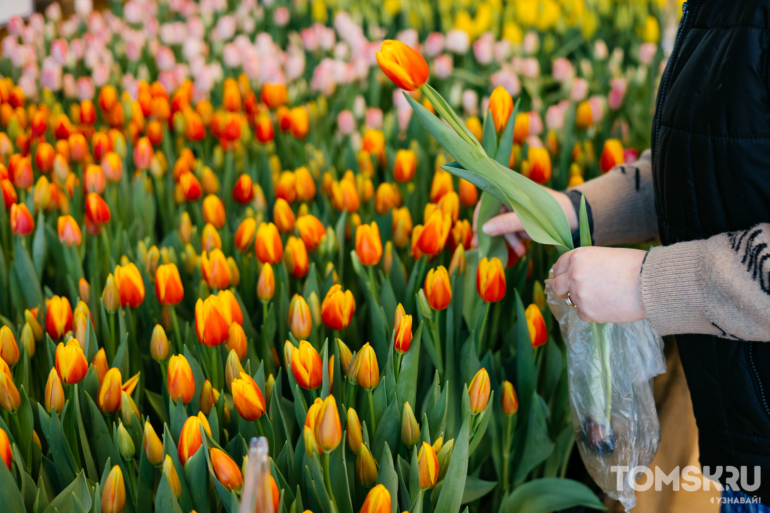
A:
257	495
621	358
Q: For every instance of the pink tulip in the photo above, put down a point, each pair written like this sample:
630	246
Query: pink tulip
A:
600	50
100	75
531	43
470	102
374	118
506	78
443	65
530	67
554	118
562	69
69	86
483	48
346	122
457	41
404	116
86	88
59	49
579	89
281	16
434	44
647	52
597	108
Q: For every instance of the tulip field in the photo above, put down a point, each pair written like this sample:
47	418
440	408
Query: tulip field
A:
231	219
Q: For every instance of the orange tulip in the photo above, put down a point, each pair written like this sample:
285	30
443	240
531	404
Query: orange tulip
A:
168	285
328	429
226	470
373	143
244	235
461	234
10	399
190	187
338	308
469	195
97	210
612	155
153	447
58	318
300	122
285	188
438	291
368	244
5	449
265	131
243	191
211	321
405	165
283	216
296	258
236	340
9	349
172	477
71	364
427	466
247	397
363	369
345	196
108	398
377	500
100	365
490	280
274	95
402	226
311	230
509	401
442	184
403	329
306	366
214	211
584	117
143	153
538	333
230	307
479	391
130	285
69	231
214	269
9	193
44	157
114	493
54	393
300	318
473	124
180	382
304	184
537	167
269	247
435	233
386	198
414	247
500	107
266	284
405	67
190	438
22	222
231	96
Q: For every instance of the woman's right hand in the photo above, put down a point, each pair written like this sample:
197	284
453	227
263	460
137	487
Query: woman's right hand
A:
508	225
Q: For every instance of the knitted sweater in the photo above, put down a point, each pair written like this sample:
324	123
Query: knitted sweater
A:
717	286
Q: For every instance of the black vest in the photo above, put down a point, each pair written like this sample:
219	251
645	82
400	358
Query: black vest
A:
711	172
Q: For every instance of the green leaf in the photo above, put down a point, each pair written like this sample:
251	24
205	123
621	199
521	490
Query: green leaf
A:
387	477
539	445
170	449
490	246
39	246
550	494
525	379
406	386
476	488
196	473
340	485
503	155
454	482
145	483
63	502
388	430
585	229
28	276
397	277
165	500
66	467
10	495
489	137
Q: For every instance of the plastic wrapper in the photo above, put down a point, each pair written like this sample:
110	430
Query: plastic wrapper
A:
610	369
257	496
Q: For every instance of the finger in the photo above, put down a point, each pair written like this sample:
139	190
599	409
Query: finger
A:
476	216
561	285
515	243
504	223
475	240
562	264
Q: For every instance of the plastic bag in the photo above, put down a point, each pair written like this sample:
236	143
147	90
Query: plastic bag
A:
257	494
621	359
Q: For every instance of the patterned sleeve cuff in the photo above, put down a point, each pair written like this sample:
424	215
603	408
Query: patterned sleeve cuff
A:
574	196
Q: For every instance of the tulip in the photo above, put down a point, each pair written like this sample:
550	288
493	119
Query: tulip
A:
100	365
27	339
214	211
114	493
435	233
438	291
538	334
22	222
283	216
509	401
285	188
300	122
244	235
143	153
612	155
328	429
54	393
345	356
159	348
215	269
168	285
110	297
403	332
377	500
479	391
364	370
461	234
233	368
537	167
71	363
208	398
442	184
266	284
311	230
112	166
190	438
405	165
210	239
269	247
405	67
410	429
490	280
97	212
10	400
9	350
306	366
338	308
171	475
153	447
304	184
353	429
402	226
300	318
180	381
366	468
69	231
190	187
211	321
584	115
108	398
468	193
130	285
386	198
274	95
5	449
500	107
345	196
125	444
9	193
247	397
93	179
296	257
264	131
428	466
473	124
368	244
226	470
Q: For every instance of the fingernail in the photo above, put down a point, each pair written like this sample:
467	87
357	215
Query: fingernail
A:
486	228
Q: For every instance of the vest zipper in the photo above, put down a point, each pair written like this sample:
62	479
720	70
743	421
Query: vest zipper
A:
661	96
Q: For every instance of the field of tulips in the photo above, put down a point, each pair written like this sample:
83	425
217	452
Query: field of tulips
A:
222	221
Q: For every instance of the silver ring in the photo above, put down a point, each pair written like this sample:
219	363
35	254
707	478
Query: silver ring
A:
569	301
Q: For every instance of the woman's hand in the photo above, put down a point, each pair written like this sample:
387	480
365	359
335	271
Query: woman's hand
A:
604	283
508	225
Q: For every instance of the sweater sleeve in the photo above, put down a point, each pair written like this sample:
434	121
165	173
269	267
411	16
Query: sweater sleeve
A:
623	204
718	286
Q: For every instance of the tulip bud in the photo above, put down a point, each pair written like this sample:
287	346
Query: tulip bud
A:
306	366
114	493
377	500
100	365
168	285
368	244
108	398
211	321
247	397
354	430
490	280
190	438
538	333
9	394
58	319
159	347
208	398
266	284
128	409
269	247
366	468
422	303
328	429
338	308
311	447
500	107
479	391
180	381
428	466
458	260
31	318
125	443
5	449
153	447
171	476
9	350
345	356
300	318
364	370
233	369
226	470
54	393
71	363
410	429
444	456
438	444
110	295
538	296
403	329
438	290
509	401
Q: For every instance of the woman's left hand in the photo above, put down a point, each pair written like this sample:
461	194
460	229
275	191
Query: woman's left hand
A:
604	283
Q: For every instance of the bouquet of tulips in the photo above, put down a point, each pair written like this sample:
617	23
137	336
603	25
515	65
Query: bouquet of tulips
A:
210	234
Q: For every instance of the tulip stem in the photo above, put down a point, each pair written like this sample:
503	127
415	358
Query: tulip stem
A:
112	336
327	476
374	284
177	333
480	339
507	450
436	336
370	397
259	428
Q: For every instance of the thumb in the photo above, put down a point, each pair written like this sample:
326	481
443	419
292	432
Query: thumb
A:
504	223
